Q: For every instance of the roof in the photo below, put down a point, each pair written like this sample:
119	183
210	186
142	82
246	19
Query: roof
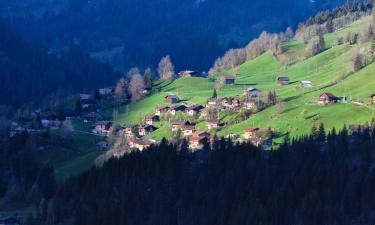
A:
147	127
178	107
227	78
330	95
195	107
213	121
306	82
179	122
188	127
251	129
171	96
201	134
197	138
150	117
141	141
251	89
162	107
283	78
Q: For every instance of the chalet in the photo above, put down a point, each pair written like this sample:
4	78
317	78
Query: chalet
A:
128	130
188	129
178	124
213	102
327	98
84	97
251	92
178	108
102	128
151	119
189	73
305	84
212	124
283	80
105	91
236	102
196	143
139	144
146	129
250	132
9	221
161	110
194	110
227	80
171	99
249	105
373	98
226	102
103	145
201	134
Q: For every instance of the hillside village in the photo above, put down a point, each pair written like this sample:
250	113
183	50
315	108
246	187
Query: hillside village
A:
277	92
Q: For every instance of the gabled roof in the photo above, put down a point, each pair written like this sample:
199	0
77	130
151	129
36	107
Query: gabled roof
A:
329	95
171	96
228	78
163	108
180	122
195	107
178	107
251	129
283	78
151	117
213	121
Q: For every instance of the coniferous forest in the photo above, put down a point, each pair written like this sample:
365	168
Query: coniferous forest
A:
317	179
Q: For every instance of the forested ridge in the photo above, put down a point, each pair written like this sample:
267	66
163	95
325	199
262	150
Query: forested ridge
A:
138	33
316	179
30	73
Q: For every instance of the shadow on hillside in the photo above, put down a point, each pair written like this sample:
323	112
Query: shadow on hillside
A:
292	98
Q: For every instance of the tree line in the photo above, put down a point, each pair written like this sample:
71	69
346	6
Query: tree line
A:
321	178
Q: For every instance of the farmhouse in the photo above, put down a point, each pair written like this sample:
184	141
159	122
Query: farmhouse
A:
178	108
178	124
161	110
250	132
139	143
188	129
251	92
194	110
151	119
212	124
102	128
213	102
189	73
128	130
305	84
327	98
249	105
171	99
283	80
373	98
227	80
236	102
145	129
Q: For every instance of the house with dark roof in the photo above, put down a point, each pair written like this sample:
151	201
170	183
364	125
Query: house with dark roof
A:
283	80
172	99
161	110
146	129
102	128
139	143
250	132
328	98
212	124
178	108
227	80
194	110
251	92
151	119
178	124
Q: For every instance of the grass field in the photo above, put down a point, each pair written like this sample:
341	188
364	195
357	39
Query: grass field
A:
328	71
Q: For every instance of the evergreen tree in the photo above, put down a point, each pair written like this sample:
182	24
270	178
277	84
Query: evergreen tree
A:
78	107
214	93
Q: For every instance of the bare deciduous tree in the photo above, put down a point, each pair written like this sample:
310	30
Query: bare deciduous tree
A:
166	69
120	93
137	85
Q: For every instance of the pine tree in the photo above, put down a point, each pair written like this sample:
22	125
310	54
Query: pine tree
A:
214	93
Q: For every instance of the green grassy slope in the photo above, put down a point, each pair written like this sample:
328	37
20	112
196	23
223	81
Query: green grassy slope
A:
329	72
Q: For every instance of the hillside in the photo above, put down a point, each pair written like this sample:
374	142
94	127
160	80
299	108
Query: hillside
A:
193	32
328	71
29	73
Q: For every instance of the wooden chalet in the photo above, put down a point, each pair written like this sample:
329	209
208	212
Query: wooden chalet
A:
198	139
188	129
227	80
102	128
283	80
189	73
305	84
212	124
161	110
151	119
328	98
373	98
172	99
251	92
139	144
194	110
250	132
145	130
128	130
178	124
178	108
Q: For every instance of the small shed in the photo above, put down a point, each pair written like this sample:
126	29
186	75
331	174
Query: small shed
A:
227	80
283	80
172	99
